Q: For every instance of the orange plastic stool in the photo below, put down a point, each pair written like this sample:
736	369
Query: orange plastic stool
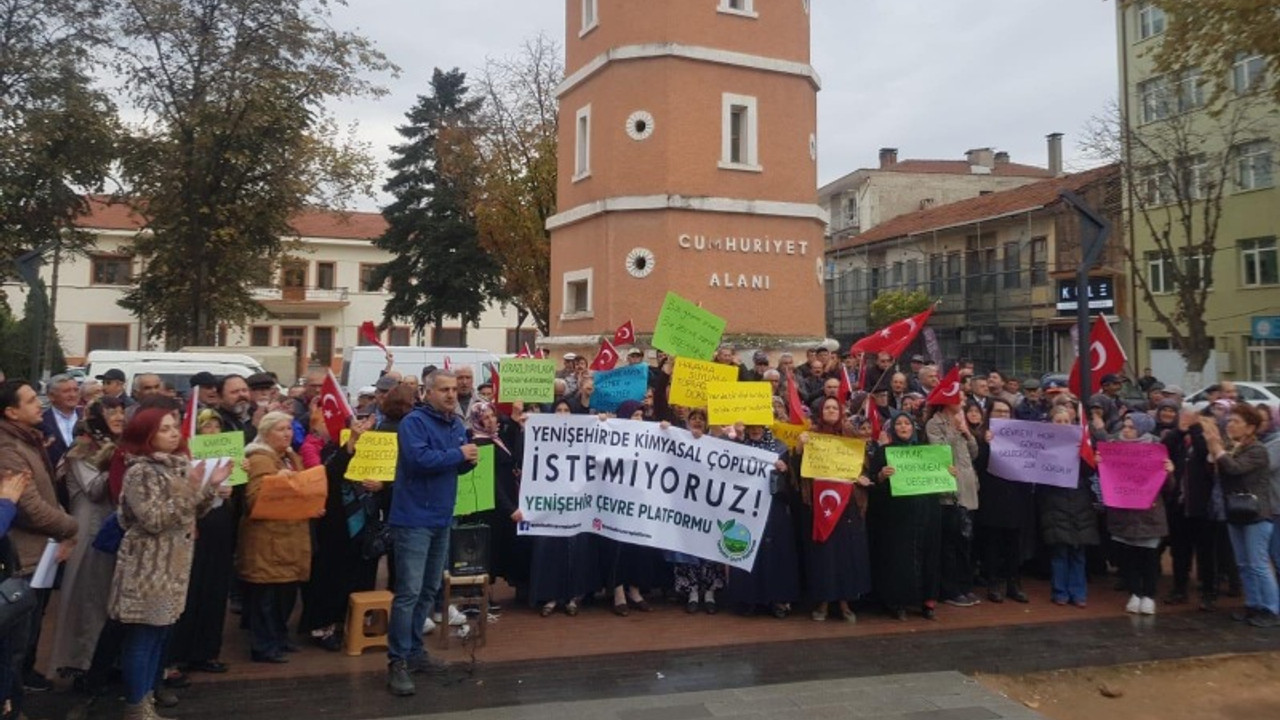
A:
359	637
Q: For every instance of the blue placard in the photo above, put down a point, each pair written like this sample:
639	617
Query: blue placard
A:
1266	328
614	387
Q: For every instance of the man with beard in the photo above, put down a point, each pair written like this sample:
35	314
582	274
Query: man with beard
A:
236	407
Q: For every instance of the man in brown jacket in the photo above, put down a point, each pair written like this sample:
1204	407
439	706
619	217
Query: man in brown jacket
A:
22	449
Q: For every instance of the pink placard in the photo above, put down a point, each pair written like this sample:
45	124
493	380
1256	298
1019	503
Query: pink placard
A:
1131	473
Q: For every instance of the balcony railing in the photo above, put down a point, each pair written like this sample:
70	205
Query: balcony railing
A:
294	294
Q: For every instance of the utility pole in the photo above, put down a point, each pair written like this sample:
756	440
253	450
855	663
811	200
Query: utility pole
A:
1094	232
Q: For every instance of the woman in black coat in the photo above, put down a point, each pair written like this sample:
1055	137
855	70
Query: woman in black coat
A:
1006	513
1069	523
774	581
512	564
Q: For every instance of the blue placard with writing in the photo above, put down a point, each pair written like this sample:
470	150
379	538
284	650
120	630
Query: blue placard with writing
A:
614	387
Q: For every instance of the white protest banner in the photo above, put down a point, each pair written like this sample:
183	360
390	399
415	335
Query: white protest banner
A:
635	482
1035	452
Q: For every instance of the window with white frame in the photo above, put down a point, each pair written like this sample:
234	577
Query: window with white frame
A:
1153	96
1194	176
1247	73
1253	165
582	145
590	10
740	141
1156	280
1190	91
1155	185
577	292
1199	266
1151	21
1261	262
746	8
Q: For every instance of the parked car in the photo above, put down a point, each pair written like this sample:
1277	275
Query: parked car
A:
363	365
1251	392
172	367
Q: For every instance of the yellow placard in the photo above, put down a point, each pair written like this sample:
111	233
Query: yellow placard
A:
750	403
375	457
789	434
828	456
689	380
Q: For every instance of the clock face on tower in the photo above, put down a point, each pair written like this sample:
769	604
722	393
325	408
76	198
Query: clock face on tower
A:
639	262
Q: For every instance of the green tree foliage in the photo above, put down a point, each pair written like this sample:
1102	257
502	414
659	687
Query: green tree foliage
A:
235	142
57	133
895	305
18	337
440	270
1213	35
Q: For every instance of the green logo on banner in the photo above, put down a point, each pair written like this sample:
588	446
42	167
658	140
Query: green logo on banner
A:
736	542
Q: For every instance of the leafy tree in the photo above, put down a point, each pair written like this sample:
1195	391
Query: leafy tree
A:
236	140
1213	35
18	338
894	305
440	270
512	154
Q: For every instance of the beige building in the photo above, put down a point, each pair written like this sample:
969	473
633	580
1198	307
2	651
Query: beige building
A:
1003	264
316	306
865	198
688	162
1185	151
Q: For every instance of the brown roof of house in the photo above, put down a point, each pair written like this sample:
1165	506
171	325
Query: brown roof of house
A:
962	167
1026	198
317	223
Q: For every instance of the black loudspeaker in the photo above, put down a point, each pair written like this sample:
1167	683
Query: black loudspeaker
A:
469	550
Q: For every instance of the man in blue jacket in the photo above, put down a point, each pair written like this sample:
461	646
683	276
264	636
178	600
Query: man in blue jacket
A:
433	450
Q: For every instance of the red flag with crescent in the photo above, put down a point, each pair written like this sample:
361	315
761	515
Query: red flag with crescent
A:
333	404
1106	357
369	332
894	338
524	352
193	409
607	358
873	417
795	409
948	391
1086	446
830	498
625	335
846	387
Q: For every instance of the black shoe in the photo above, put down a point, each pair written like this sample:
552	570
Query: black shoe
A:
641	604
1014	593
710	607
1264	619
995	596
34	682
165	698
331	642
691	607
208	666
398	681
291	648
780	611
428	665
271	658
1243	615
495	608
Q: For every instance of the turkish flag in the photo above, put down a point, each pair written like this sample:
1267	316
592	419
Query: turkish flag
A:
369	332
1105	355
894	338
1086	447
333	403
541	354
607	358
193	409
846	387
948	391
873	417
524	352
795	409
625	335
830	498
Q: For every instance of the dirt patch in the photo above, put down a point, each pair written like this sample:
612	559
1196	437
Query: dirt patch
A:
1233	687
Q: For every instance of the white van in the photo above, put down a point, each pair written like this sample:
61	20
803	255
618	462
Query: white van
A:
363	365
175	368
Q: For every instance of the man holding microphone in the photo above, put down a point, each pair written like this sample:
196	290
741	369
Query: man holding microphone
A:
433	451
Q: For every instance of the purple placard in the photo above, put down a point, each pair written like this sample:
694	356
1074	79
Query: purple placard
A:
1035	452
1131	473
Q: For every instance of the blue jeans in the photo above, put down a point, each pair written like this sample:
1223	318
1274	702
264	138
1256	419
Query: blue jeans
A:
1252	544
141	657
1068	574
1275	543
420	557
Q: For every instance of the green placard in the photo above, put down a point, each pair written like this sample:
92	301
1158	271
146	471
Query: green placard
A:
686	330
920	469
526	380
221	445
475	489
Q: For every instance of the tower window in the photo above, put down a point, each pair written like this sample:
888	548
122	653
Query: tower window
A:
746	8
582	145
740	146
577	293
590	11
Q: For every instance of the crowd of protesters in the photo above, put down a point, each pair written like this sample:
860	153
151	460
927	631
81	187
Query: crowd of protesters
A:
157	548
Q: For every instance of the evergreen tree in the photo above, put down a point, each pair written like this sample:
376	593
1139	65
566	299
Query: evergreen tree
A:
440	270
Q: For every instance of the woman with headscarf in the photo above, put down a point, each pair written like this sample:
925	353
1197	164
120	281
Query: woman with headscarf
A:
905	531
1138	533
563	569
774	581
1006	514
697	579
947	426
508	552
86	575
629	569
837	568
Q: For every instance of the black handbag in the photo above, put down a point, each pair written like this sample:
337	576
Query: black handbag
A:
109	536
17	601
1242	508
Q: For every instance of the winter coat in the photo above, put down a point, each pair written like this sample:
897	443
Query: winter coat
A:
1067	515
158	511
964	448
271	551
1192	470
1247	469
1273	456
40	517
1140	524
427	468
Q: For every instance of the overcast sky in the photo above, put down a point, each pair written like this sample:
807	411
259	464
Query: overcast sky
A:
932	78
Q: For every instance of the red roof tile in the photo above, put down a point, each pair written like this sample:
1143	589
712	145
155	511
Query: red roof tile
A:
962	167
106	215
1028	197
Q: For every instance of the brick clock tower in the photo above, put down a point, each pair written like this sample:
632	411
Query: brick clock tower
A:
688	162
